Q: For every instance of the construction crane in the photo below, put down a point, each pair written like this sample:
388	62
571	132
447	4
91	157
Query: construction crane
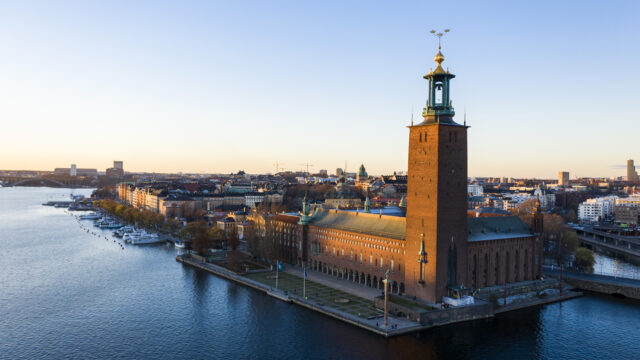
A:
307	165
278	167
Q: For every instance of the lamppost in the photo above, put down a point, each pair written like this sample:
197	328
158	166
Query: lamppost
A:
386	296
304	283
277	266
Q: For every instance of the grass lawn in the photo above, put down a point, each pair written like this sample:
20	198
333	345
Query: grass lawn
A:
410	304
325	295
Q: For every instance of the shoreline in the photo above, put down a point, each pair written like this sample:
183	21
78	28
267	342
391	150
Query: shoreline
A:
406	326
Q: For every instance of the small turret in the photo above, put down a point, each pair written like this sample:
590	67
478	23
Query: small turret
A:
305	205
538	219
305	214
367	205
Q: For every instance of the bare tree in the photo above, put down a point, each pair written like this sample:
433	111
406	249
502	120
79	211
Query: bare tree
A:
234	239
201	239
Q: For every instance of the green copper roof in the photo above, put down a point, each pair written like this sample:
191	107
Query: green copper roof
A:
479	229
496	228
372	224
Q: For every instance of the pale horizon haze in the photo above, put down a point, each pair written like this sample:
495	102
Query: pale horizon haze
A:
217	87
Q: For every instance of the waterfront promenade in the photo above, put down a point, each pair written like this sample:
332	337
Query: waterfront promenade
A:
319	297
356	305
599	283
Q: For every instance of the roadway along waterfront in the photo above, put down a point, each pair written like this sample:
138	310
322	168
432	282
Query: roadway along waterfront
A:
65	293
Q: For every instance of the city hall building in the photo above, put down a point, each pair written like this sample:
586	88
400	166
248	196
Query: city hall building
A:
435	250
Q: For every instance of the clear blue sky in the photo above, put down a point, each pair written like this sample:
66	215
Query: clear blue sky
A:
223	86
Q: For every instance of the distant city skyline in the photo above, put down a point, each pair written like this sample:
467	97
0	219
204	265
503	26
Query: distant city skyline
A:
222	87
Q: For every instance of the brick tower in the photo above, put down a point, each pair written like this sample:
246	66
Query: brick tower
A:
436	237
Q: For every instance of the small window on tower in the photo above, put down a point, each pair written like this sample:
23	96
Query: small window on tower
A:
420	137
455	137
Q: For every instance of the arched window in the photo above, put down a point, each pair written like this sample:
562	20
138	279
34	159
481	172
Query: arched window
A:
485	270
474	272
452	265
517	267
507	268
497	269
526	264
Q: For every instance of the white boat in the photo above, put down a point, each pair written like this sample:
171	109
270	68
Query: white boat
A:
181	244
108	224
91	216
111	226
145	238
131	234
124	231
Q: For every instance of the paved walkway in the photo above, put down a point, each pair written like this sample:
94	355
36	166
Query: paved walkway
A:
336	283
357	311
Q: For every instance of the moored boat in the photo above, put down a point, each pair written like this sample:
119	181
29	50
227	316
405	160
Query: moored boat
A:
145	238
91	216
106	223
181	244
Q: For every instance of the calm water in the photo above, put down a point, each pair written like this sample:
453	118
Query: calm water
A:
607	265
65	293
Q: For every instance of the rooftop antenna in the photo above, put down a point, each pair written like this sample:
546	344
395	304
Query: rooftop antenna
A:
465	116
412	118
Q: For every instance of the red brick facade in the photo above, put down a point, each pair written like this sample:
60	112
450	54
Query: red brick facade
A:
357	257
493	262
436	209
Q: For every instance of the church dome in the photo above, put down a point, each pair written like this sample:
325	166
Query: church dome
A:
362	172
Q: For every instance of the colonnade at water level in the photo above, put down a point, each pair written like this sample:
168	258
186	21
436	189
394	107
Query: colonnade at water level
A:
365	279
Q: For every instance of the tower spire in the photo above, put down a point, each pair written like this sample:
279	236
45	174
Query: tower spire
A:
439	108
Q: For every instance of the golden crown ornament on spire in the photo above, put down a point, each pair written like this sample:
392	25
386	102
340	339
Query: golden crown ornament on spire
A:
439	57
